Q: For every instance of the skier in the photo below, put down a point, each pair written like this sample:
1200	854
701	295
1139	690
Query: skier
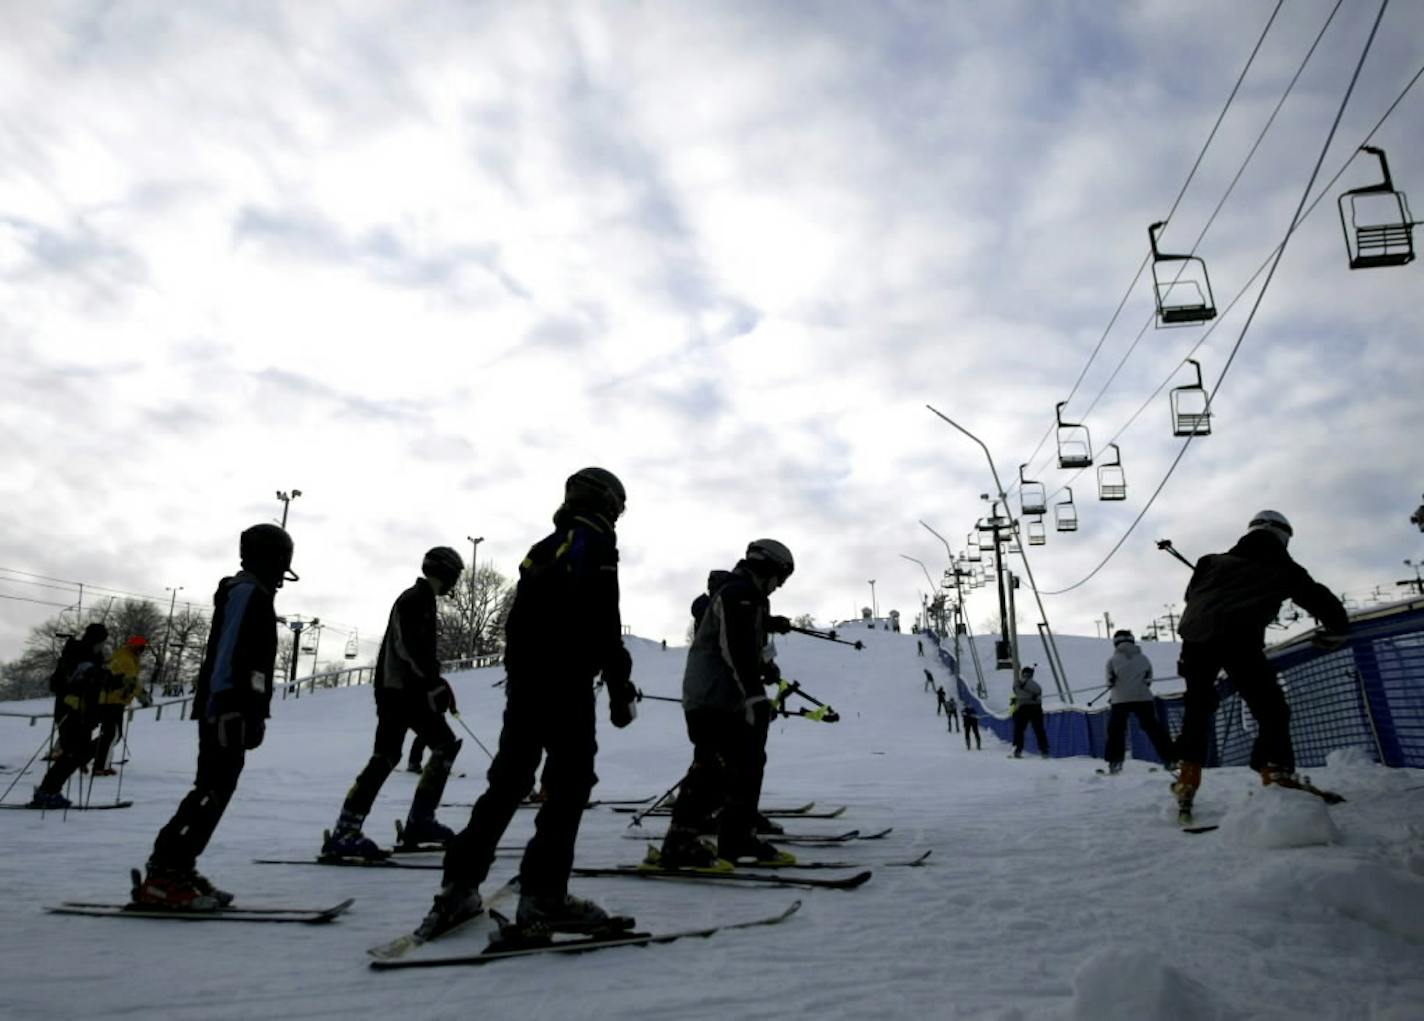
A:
951	712
116	692
410	695
971	726
939	695
929	681
569	578
1231	599
727	714
919	647
232	700
79	694
1128	674
1028	710
75	651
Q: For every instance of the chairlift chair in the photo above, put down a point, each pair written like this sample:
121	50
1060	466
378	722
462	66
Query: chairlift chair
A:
1191	415
1180	286
1011	544
1065	513
972	548
1112	483
1033	499
1037	533
1386	238
352	647
1075	448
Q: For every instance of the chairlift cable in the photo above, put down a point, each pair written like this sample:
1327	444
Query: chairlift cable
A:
1302	210
1167	219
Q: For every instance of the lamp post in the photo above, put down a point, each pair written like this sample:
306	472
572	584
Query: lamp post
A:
874	608
287	499
474	559
1067	691
933	586
167	633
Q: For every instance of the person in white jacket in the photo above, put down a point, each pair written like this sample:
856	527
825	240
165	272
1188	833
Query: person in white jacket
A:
1128	677
1028	712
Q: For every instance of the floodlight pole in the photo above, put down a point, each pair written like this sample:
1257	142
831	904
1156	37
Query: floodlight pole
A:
1065	690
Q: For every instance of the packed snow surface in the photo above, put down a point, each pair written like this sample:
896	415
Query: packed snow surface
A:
1053	892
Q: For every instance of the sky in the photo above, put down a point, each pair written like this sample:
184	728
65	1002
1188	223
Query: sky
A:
422	261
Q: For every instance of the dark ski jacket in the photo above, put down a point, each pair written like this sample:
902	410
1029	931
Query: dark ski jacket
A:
1233	596
74	653
241	655
725	661
564	623
408	660
715	580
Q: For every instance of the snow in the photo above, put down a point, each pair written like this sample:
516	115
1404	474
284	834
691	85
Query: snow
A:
1053	892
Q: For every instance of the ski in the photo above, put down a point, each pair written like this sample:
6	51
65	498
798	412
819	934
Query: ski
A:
72	808
784	810
909	863
1201	829
355	863
583	944
715	876
403	944
301	916
803	839
614	803
1329	797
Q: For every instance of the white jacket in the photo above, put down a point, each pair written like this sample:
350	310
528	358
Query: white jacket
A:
1128	672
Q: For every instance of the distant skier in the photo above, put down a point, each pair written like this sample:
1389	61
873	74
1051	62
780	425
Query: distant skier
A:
410	695
939	698
951	712
929	681
1231	599
1028	711
1128	673
919	647
569	579
79	695
728	713
76	650
116	691
232	702
971	726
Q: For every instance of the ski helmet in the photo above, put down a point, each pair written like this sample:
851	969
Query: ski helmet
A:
1274	522
443	563
598	489
768	553
95	632
1027	671
266	550
137	642
1123	636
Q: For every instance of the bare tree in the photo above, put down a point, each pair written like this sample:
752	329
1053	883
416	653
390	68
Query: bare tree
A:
472	618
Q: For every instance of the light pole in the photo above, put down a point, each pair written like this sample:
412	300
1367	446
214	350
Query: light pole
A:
1067	691
874	607
474	559
933	586
167	632
287	499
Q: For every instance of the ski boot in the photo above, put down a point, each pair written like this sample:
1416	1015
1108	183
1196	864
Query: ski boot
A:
768	826
169	889
1185	790
414	767
684	849
350	844
49	800
454	905
1114	768
205	885
1282	777
105	771
425	832
752	850
555	913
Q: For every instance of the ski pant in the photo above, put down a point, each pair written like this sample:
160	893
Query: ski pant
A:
952	722
1254	679
728	759
1146	714
396	712
111	723
549	716
417	750
971	726
1025	716
187	834
76	736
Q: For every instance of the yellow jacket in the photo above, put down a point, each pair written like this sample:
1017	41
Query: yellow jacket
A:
124	666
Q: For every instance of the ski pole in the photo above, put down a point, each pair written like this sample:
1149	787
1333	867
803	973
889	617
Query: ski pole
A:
125	761
472	735
1165	545
1098	696
657	698
827	637
26	767
639	816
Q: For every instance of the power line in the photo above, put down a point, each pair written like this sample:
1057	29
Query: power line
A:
1301	211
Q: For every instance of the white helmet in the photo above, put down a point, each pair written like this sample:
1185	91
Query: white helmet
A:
1274	522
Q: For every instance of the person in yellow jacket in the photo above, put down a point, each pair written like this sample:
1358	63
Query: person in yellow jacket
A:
120	688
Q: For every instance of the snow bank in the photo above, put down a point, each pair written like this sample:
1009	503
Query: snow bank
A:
1131	984
1278	817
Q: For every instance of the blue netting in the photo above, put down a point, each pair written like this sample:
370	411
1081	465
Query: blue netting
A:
1368	695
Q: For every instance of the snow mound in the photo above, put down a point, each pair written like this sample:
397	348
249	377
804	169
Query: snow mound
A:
1376	894
1274	817
1122	984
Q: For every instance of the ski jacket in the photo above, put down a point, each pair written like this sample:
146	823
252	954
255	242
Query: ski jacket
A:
123	683
1027	692
969	713
73	653
241	654
408	660
725	661
715	580
564	621
86	681
1233	596
1128	672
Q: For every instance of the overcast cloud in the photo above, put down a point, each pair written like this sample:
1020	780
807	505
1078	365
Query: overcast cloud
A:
423	260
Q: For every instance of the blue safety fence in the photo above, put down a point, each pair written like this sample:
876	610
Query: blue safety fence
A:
1367	695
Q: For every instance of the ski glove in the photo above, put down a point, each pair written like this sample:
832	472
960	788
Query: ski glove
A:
441	698
622	701
778	625
770	674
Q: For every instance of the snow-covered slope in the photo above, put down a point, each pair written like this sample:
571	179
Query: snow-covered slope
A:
1053	892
